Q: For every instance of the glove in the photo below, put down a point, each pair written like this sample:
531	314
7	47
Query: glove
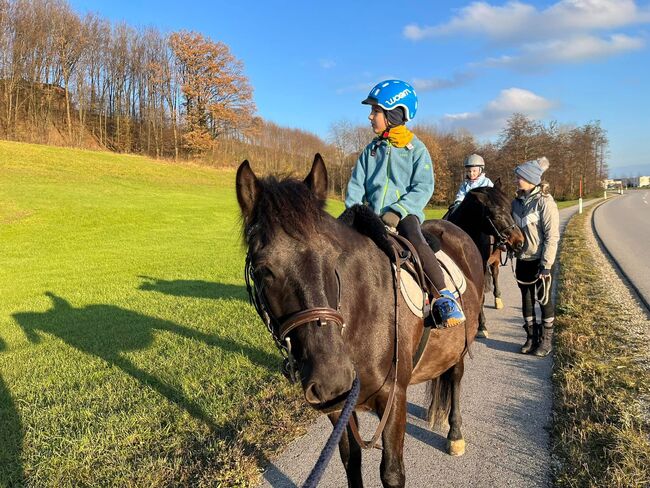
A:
391	219
544	273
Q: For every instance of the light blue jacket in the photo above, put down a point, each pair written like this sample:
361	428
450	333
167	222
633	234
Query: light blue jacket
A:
395	178
468	185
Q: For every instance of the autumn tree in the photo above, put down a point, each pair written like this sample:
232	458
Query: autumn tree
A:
218	98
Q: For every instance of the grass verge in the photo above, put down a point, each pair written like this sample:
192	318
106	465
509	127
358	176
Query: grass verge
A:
601	429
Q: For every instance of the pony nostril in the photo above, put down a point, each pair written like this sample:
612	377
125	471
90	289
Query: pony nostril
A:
312	394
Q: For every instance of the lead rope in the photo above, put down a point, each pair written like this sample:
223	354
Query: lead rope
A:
334	438
541	284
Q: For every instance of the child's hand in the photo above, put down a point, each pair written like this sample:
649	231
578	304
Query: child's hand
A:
390	218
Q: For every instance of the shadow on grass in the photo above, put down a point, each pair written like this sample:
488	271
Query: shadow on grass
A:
107	331
11	438
193	288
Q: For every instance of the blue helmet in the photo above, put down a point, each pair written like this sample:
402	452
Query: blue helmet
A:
389	94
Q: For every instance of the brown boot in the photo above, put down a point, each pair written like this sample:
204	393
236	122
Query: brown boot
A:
532	338
546	342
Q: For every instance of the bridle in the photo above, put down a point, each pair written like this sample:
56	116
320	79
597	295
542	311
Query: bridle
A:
280	329
502	239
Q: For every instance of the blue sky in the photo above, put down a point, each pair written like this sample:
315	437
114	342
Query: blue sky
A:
472	63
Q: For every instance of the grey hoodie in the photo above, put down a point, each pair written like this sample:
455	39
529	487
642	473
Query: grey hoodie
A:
538	218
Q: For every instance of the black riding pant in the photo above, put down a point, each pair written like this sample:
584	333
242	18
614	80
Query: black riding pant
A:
527	272
409	227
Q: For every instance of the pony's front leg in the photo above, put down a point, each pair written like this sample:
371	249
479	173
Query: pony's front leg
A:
350	453
494	271
392	459
455	441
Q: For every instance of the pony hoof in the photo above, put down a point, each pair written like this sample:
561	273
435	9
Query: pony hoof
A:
498	303
456	448
482	334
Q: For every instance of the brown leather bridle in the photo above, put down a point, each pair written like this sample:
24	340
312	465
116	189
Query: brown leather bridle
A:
280	330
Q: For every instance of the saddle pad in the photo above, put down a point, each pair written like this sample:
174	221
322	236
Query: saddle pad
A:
454	277
413	294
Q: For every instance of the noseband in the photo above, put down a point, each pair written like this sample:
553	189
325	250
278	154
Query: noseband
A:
500	235
280	330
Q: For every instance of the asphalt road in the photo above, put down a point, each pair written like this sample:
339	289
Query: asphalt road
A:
506	409
623	226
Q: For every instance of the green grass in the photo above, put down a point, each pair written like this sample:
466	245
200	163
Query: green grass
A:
129	355
601	435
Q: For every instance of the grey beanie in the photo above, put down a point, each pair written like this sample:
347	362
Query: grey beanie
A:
531	171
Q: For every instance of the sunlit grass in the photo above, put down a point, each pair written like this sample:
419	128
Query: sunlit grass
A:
601	435
129	355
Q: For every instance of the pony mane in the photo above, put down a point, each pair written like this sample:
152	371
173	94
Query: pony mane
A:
287	205
496	195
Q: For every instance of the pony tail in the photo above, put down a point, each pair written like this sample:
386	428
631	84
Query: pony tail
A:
439	397
545	188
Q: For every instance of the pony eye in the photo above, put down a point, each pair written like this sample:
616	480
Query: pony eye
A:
263	272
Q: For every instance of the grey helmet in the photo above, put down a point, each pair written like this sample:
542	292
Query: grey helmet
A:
474	160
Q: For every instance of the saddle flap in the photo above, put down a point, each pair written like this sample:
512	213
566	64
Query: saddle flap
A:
454	278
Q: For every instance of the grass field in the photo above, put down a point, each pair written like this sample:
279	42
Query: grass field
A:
128	353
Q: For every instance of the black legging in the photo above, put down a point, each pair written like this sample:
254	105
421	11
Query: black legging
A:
527	271
409	227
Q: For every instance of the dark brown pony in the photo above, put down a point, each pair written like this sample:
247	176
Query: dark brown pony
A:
485	214
326	293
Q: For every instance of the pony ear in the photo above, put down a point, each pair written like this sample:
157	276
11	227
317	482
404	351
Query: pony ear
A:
247	189
317	178
497	183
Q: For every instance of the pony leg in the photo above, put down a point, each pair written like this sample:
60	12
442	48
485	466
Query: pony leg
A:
350	452
455	441
392	458
482	329
494	271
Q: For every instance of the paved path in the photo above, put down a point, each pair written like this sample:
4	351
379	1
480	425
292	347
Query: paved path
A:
506	407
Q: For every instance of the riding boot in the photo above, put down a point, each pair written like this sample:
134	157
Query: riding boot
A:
545	344
532	338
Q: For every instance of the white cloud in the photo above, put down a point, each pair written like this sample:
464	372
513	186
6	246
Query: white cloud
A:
326	63
432	84
517	21
577	49
493	116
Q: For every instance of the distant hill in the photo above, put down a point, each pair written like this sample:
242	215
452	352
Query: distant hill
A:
630	171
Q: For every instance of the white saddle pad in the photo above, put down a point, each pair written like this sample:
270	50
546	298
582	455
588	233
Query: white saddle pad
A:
454	281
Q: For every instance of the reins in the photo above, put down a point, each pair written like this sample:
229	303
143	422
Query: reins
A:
391	396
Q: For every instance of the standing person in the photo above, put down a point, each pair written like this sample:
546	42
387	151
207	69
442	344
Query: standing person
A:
475	177
536	213
394	176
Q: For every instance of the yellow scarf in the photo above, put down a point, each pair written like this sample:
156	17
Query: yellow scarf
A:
400	136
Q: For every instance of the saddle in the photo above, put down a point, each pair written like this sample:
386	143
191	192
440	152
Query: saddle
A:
415	286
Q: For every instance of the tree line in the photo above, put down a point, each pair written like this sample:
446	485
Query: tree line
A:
83	81
575	154
86	82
